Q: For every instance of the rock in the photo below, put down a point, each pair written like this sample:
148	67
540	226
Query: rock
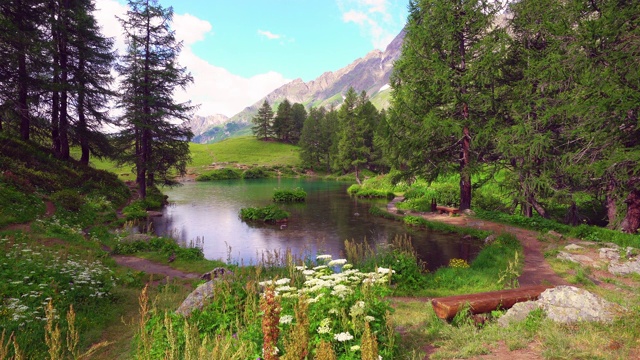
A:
629	252
629	267
573	247
609	254
197	298
467	237
490	239
215	273
518	312
468	212
555	234
154	213
569	304
576	258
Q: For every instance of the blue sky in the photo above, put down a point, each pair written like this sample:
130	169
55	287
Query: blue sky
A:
240	50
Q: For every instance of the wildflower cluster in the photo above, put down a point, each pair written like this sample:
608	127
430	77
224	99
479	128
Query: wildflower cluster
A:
34	276
340	304
53	226
458	263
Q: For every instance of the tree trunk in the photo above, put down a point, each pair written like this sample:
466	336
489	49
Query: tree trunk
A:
536	205
23	109
55	96
631	221
610	203
82	121
64	82
357	176
572	218
465	177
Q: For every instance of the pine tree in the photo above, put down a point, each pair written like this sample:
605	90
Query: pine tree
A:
263	122
21	47
442	89
282	121
313	143
298	116
151	139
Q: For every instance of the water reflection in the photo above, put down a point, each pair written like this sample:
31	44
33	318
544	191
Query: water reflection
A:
209	212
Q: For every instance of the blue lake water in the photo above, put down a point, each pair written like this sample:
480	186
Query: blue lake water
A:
206	213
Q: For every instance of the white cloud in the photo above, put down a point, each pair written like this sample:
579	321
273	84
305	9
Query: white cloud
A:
269	35
215	89
373	17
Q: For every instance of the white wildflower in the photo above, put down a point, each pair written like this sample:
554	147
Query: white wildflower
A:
324	257
337	262
286	319
283	281
369	318
355	348
343	336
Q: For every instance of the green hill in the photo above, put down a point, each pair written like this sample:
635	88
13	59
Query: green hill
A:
242	151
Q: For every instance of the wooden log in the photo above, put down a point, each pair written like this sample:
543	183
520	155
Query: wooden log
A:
448	307
450	210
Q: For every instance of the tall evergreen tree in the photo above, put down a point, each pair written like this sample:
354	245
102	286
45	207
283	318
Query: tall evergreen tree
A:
314	147
298	116
154	142
263	122
282	121
442	89
21	47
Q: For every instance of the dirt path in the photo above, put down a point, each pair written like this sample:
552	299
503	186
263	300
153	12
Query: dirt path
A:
151	267
536	270
49	212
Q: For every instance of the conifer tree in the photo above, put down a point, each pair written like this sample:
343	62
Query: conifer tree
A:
442	89
282	121
263	122
152	140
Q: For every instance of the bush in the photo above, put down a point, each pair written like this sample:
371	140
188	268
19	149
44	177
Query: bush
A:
364	192
68	199
254	173
135	211
286	195
269	213
219	174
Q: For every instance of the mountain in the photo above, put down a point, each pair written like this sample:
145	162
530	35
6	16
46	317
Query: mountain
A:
370	73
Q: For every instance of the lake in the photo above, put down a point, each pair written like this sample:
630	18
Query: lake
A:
207	214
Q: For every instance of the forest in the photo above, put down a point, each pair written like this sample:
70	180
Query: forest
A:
539	98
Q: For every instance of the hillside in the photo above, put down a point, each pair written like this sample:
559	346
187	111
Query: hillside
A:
370	73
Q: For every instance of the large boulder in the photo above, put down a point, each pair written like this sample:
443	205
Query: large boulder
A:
576	258
628	267
565	304
569	304
199	296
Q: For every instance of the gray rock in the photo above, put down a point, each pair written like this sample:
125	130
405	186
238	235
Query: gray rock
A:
569	304
197	298
469	212
555	234
151	213
518	312
629	251
490	239
609	254
573	247
628	267
215	273
576	258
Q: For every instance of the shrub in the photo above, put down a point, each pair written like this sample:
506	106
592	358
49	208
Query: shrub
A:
135	211
219	174
365	192
270	213
286	195
254	173
68	199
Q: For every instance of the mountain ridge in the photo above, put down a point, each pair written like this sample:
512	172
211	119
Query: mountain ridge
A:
369	73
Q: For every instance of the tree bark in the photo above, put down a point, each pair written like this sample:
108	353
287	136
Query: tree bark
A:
82	122
631	221
536	205
64	82
55	96
610	203
465	177
23	109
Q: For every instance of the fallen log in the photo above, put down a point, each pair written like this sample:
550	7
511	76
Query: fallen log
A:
448	307
445	209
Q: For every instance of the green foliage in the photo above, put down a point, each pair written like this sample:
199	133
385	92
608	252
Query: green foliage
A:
165	246
254	173
269	213
17	206
137	210
289	195
366	192
219	174
68	199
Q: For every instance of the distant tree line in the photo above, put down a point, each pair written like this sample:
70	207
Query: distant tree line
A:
56	84
551	93
335	140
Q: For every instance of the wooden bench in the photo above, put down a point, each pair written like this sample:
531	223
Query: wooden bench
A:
450	210
448	307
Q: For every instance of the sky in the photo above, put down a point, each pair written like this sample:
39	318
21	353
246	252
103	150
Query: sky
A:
238	51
